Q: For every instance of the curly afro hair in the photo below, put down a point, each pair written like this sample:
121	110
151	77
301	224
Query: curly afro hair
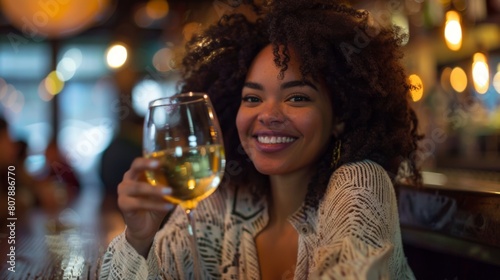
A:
357	58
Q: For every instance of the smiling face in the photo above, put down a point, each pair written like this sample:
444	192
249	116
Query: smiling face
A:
284	124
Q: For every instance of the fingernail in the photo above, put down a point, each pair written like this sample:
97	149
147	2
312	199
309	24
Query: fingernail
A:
166	191
154	164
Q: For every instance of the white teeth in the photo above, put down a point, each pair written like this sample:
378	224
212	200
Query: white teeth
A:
274	139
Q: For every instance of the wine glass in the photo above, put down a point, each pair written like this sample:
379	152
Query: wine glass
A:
182	132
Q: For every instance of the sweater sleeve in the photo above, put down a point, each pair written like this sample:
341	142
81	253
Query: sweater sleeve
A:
359	227
121	261
170	256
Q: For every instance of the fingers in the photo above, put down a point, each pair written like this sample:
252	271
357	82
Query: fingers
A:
140	188
134	193
139	165
132	204
137	195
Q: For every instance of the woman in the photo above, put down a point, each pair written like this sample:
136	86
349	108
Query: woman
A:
315	127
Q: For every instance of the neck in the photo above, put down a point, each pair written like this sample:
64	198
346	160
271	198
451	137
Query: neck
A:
287	193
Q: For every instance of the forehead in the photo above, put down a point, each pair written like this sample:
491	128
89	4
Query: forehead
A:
265	63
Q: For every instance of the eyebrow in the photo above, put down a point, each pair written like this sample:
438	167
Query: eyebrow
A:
290	84
300	83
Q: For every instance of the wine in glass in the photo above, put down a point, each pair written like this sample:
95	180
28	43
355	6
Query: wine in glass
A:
182	132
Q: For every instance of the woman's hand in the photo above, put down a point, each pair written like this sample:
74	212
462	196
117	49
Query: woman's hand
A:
142	205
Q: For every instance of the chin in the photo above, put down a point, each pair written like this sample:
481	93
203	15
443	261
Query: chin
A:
270	170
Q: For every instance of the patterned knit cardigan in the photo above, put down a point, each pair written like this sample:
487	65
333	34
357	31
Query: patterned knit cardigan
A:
354	233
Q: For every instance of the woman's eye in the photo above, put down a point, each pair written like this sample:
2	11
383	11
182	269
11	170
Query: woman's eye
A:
299	98
250	99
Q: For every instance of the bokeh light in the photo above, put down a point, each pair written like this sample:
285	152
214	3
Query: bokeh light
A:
458	79
401	20
43	93
480	73
157	9
11	98
453	31
67	66
53	84
116	56
162	59
417	90
66	69
141	17
144	92
496	79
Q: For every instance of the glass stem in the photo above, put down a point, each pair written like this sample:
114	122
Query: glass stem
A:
194	246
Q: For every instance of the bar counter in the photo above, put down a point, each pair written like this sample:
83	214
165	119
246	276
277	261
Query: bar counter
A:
65	246
451	226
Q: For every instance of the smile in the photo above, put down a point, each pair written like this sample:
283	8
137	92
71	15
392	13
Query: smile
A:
274	139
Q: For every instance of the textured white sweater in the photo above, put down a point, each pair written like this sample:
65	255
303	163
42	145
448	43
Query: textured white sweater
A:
353	234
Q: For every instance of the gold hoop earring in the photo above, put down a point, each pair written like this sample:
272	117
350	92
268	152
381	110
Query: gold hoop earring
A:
336	153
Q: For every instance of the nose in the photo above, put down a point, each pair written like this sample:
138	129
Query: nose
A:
272	115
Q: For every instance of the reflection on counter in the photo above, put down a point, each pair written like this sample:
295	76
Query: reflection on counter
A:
451	225
462	214
463	180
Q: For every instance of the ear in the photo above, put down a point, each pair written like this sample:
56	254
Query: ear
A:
338	129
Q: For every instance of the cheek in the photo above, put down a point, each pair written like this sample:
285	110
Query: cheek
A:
241	123
315	125
244	122
308	121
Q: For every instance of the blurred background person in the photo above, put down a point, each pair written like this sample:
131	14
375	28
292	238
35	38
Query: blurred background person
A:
58	186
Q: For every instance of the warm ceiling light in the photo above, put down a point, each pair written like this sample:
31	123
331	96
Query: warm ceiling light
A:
157	9
417	90
53	18
116	56
480	73
458	79
496	79
453	31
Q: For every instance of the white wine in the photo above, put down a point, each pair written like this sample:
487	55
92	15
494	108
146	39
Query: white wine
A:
193	173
